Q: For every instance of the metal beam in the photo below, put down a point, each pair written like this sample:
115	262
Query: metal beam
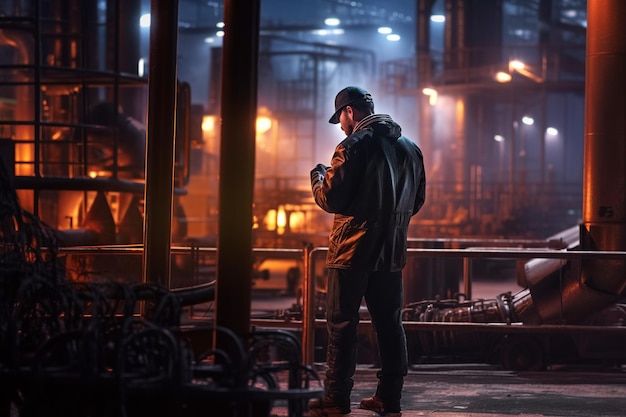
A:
160	141
237	154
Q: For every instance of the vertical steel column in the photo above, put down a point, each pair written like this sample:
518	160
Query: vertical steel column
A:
512	159
158	197
424	10
575	294
237	151
467	278
128	13
424	77
546	21
308	307
542	137
604	180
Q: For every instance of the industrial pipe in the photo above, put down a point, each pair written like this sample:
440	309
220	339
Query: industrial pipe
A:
160	142
237	154
604	201
572	292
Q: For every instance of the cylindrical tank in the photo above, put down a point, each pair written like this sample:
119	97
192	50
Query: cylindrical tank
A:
572	292
604	200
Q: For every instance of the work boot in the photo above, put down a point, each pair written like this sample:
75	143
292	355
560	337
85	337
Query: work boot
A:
326	408
375	404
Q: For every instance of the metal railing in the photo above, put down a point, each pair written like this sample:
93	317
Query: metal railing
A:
309	321
309	255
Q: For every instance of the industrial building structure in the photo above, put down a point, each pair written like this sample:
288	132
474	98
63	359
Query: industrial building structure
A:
505	157
160	150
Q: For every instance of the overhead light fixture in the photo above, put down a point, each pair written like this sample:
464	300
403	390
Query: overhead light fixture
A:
552	131
326	32
384	30
144	20
332	21
208	123
521	68
570	13
141	67
503	77
437	18
393	37
498	138
516	65
528	121
263	124
432	95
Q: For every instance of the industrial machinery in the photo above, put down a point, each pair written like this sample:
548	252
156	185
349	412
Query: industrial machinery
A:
72	133
517	330
506	341
534	328
73	100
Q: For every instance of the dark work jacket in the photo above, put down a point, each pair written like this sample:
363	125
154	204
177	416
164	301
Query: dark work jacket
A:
375	183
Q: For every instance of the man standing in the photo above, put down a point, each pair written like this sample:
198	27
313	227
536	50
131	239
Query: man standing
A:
375	183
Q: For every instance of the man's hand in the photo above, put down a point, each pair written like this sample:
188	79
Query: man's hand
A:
317	176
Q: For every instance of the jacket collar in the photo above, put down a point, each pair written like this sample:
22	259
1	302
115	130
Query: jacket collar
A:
371	119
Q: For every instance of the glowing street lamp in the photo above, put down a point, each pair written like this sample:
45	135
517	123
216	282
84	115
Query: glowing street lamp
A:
144	20
263	124
516	65
432	95
521	68
503	77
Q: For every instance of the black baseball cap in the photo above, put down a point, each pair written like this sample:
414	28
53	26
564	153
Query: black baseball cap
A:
346	97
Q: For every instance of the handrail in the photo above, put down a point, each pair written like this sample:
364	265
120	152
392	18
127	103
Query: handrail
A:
308	254
308	318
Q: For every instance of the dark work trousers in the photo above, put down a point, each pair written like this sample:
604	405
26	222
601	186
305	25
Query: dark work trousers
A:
384	298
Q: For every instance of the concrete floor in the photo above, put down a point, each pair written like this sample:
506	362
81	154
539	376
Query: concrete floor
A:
476	390
481	390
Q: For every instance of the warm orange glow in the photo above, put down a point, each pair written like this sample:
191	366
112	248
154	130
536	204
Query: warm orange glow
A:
296	221
460	113
503	77
520	67
460	142
281	217
432	95
24	152
281	220
211	134
263	124
208	123
270	220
